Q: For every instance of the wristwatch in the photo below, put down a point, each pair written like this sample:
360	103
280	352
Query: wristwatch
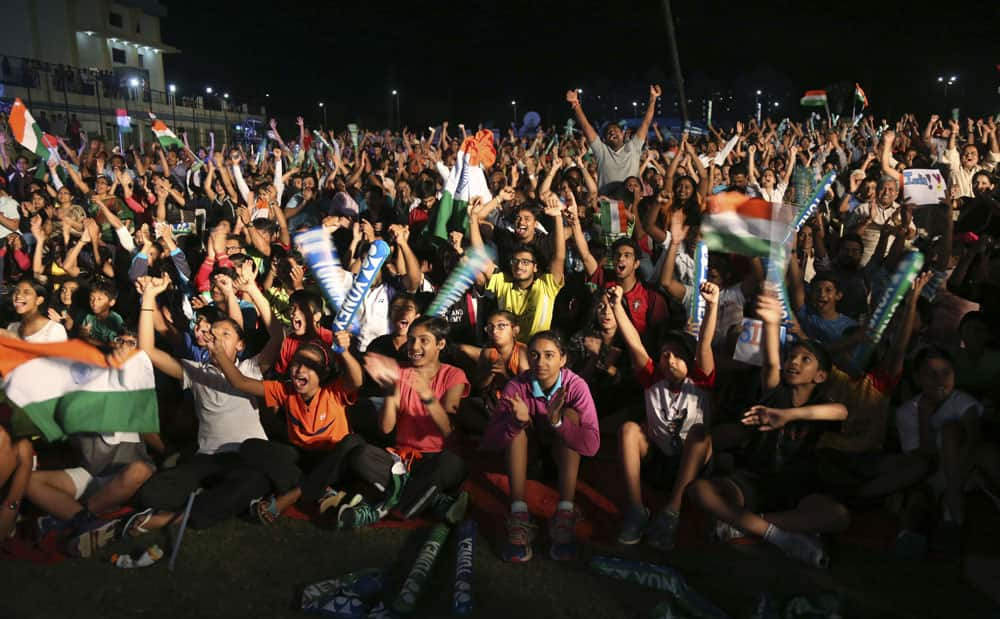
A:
428	400
13	505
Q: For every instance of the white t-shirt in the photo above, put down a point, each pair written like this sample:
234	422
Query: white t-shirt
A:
8	208
671	414
373	317
952	409
51	332
226	416
614	166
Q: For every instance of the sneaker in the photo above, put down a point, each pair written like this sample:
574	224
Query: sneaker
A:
97	535
636	519
807	549
910	545
520	533
562	531
449	508
48	523
333	499
725	532
661	531
358	514
395	490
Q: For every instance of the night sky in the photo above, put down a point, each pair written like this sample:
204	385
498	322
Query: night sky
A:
466	63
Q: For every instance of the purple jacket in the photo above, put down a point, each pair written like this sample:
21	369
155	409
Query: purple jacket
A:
585	438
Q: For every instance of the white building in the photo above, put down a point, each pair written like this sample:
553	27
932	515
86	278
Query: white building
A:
88	58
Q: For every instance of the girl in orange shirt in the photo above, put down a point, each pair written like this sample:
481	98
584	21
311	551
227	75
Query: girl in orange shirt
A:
321	442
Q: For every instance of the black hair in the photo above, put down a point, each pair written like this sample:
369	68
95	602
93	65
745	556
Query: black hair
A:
218	270
308	302
236	327
525	248
437	326
626	241
823	358
853	238
932	352
551	336
106	286
685	342
825	276
323	369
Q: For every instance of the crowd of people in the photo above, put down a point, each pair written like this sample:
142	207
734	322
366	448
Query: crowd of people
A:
577	332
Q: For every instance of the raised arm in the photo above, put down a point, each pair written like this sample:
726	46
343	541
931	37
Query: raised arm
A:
590	264
613	297
647	119
769	311
150	288
249	386
557	267
704	357
678	232
574	100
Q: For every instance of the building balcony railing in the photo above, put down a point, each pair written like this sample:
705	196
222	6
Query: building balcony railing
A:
129	83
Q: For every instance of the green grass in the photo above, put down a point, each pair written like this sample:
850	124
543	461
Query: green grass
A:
245	570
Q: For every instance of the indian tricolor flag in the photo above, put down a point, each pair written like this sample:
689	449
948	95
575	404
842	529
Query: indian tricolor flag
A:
65	388
26	131
614	216
738	225
860	96
166	137
814	98
466	181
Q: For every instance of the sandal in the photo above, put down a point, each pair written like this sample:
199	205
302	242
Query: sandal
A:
265	509
136	523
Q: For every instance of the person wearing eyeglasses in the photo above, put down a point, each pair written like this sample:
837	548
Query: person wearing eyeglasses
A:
522	290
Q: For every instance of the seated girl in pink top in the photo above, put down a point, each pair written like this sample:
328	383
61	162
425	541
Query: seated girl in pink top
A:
554	405
420	403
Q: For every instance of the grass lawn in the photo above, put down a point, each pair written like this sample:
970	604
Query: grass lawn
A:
245	570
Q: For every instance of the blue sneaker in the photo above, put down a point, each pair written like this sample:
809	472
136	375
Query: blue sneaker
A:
633	526
48	523
562	531
520	533
661	531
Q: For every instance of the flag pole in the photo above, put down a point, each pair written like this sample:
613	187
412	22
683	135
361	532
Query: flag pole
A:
675	57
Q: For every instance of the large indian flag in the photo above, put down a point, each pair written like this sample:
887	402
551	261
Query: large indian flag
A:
738	225
69	387
814	98
466	181
26	131
164	134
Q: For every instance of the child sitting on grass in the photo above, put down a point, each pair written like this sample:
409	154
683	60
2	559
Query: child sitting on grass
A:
778	496
673	446
553	405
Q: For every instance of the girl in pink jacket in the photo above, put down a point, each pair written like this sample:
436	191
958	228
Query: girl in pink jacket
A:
554	405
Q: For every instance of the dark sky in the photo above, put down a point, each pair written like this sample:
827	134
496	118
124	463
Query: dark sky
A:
464	62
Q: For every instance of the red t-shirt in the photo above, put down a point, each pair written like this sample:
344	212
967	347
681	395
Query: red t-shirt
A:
415	429
650	375
644	306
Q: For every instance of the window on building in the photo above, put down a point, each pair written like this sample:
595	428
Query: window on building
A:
118	55
140	61
116	20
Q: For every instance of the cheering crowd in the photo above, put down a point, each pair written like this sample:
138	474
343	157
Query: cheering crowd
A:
577	336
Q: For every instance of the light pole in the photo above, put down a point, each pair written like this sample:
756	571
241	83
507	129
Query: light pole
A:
323	107
947	82
225	113
513	102
173	102
399	115
208	91
635	108
758	106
